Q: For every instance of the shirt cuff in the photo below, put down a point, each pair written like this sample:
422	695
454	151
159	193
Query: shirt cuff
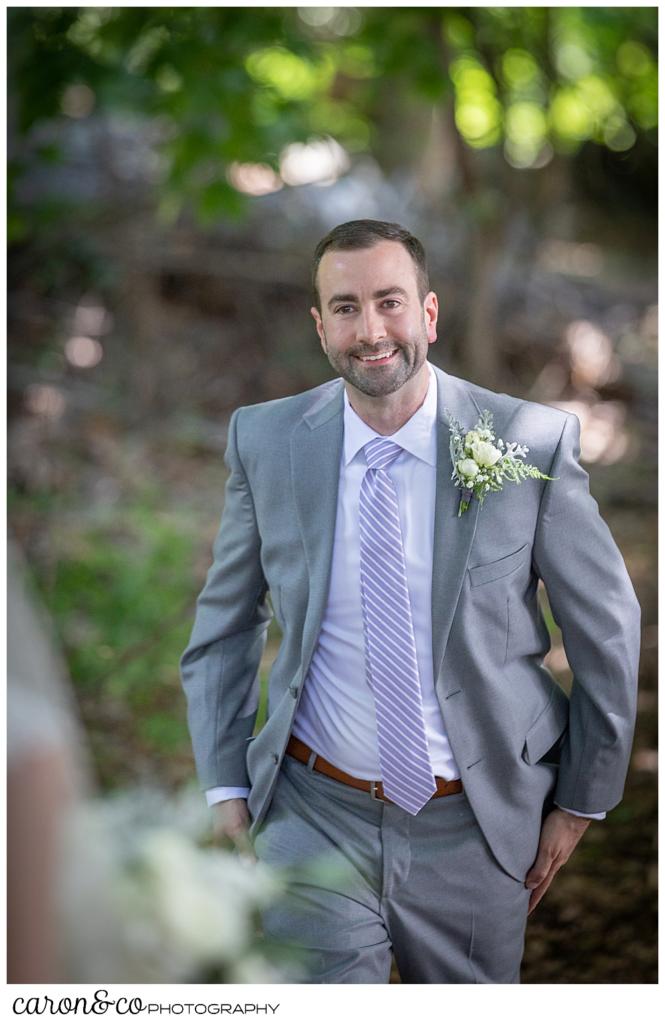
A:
599	816
219	793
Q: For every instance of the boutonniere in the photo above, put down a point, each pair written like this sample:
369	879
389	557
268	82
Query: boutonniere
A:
481	464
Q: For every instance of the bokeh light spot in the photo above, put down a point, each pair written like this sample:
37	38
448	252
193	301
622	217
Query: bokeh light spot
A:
78	101
254	179
320	161
83	352
45	400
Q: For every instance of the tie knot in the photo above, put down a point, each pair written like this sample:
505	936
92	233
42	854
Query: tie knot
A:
381	453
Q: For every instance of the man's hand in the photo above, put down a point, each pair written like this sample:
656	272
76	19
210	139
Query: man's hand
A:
230	826
560	834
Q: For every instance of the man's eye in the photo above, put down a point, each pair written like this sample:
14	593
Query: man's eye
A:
391	303
344	309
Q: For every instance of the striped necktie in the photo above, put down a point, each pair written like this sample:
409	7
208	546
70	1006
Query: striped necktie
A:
390	647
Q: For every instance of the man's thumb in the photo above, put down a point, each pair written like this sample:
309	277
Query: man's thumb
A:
537	874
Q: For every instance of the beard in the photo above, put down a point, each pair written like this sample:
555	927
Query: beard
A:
377	381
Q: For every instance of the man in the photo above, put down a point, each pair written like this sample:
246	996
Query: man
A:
415	745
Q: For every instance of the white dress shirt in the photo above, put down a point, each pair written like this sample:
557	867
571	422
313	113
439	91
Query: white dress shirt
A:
335	716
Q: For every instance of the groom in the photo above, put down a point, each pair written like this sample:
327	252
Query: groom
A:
415	745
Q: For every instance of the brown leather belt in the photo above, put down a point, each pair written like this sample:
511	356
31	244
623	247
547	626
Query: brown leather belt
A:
296	748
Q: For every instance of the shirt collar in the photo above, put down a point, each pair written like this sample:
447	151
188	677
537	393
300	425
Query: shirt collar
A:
417	436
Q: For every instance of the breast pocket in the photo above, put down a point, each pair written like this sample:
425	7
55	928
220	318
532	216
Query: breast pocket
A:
498	569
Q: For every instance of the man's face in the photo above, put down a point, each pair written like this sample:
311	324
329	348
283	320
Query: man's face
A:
373	327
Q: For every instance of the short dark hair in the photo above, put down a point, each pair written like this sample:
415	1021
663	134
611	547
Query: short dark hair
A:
363	234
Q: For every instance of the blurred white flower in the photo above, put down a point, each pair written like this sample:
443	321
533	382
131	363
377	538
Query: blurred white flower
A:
255	969
159	907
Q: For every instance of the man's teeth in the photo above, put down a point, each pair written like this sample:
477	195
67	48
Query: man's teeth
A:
381	355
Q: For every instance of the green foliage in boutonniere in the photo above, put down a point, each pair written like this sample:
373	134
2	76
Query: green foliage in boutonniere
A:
481	464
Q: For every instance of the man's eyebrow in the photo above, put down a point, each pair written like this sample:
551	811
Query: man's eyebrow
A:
342	298
380	294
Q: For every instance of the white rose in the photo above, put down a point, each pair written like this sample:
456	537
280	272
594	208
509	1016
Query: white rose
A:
467	468
485	453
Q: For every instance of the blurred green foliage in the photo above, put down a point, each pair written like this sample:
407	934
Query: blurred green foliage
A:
118	582
239	84
118	585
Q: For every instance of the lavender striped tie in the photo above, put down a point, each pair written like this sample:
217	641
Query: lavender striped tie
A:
390	647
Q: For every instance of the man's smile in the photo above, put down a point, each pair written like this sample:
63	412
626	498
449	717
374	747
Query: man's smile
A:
380	359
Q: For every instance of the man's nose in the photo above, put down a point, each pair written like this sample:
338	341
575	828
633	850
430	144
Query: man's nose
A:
371	326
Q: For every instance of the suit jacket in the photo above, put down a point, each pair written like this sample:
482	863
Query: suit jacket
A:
518	739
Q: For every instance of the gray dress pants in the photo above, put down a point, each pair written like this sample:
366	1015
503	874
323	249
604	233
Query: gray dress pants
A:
367	879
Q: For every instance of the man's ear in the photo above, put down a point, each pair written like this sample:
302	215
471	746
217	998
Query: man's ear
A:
319	326
431	313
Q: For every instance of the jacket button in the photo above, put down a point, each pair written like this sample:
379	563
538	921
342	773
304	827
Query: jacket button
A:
293	690
275	757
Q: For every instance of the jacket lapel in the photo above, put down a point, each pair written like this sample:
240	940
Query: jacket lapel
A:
453	536
316	450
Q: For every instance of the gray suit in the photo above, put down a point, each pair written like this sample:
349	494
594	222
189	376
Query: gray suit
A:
518	739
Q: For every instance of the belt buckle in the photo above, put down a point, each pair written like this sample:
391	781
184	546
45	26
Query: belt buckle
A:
372	792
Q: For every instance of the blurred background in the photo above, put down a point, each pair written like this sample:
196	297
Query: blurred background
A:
170	172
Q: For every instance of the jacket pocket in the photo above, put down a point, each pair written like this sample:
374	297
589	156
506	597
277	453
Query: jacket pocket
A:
547	729
480	574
